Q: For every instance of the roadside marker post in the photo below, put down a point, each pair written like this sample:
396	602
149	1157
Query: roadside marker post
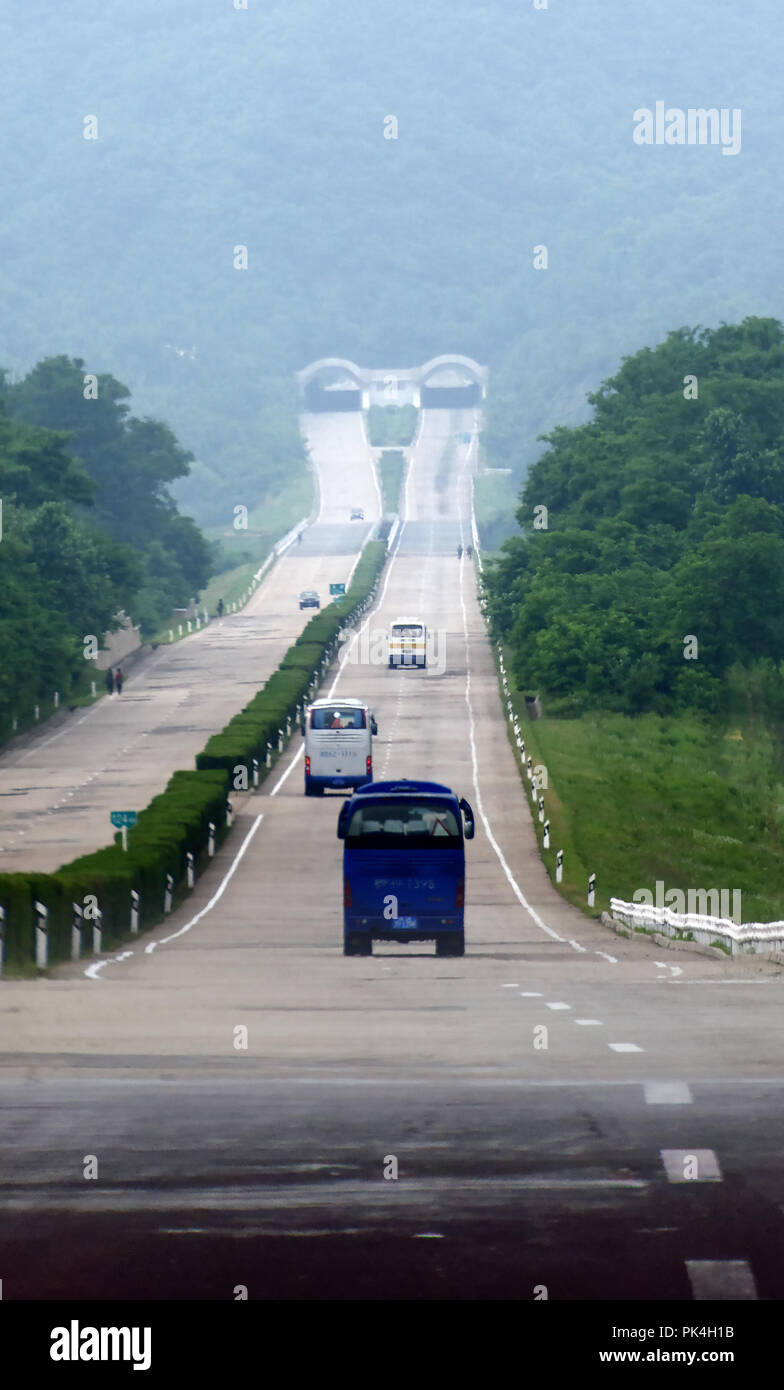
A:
41	936
76	931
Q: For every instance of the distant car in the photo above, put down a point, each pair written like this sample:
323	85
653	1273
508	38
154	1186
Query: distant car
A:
357	514
309	599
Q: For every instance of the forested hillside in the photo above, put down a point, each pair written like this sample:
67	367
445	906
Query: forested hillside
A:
265	128
88	528
650	570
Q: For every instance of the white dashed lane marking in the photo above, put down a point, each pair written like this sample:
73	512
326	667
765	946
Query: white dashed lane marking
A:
588	1022
729	1281
667	1093
624	1047
558	1006
691	1165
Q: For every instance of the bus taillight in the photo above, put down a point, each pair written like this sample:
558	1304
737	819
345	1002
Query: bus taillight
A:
460	895
347	893
369	765
307	766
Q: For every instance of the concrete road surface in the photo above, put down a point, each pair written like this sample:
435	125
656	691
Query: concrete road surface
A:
561	1107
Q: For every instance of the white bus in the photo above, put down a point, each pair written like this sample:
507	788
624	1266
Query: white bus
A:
407	642
338	744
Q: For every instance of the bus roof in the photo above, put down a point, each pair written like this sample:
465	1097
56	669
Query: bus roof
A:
408	622
329	701
404	787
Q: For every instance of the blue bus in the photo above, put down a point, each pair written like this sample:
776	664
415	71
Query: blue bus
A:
404	865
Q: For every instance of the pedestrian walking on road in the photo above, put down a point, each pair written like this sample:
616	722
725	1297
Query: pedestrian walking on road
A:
110	680
118	680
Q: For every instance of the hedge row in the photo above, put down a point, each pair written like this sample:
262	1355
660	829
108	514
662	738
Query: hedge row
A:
254	733
177	822
174	822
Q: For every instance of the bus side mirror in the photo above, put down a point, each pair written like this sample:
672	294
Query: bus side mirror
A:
342	821
469	819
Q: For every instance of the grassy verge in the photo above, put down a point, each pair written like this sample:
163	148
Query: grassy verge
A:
265	526
391	472
393	425
694	804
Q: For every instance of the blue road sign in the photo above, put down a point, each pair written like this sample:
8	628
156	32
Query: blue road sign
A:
337	588
122	818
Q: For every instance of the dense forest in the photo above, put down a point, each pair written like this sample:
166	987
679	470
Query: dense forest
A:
649	574
268	128
88	528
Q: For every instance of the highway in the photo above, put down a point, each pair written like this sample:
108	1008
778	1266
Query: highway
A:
59	783
244	1086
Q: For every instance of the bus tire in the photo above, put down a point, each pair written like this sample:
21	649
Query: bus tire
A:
450	946
357	944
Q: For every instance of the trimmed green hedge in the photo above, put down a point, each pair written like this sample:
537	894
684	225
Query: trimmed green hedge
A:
177	821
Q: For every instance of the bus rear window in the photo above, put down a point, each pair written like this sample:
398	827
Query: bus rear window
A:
404	825
338	717
407	629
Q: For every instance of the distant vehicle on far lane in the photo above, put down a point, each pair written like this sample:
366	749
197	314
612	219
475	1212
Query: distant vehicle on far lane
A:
357	514
309	599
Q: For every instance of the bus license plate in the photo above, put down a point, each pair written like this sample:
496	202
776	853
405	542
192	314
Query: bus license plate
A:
407	923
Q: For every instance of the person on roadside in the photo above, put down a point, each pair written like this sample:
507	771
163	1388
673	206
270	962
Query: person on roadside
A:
220	607
460	552
299	538
110	680
469	551
118	680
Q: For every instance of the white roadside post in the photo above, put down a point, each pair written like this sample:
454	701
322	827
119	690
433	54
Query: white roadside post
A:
269	754
37	713
229	814
92	687
97	932
41	936
189	868
533	790
256	772
521	746
546	835
288	726
211	841
529	774
167	897
280	740
134	912
124	833
541	810
57	699
559	866
591	890
76	931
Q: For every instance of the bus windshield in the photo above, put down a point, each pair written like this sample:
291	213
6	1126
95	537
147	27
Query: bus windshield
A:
338	716
407	629
402	824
